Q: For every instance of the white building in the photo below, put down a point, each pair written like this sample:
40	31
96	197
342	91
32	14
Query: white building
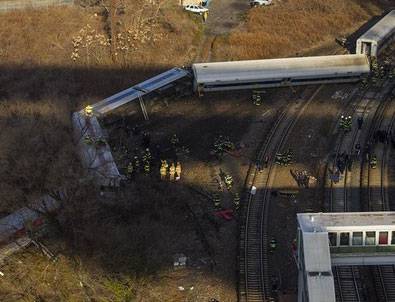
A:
338	239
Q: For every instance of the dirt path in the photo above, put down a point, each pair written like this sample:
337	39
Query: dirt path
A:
224	16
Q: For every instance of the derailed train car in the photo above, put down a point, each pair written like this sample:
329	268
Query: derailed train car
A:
252	74
14	225
380	35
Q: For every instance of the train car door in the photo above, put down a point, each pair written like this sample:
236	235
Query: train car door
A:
367	48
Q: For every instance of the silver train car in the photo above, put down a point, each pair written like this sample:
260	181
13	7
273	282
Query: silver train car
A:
381	34
252	74
14	225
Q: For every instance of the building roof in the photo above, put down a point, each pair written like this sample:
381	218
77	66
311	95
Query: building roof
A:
320	222
381	29
244	71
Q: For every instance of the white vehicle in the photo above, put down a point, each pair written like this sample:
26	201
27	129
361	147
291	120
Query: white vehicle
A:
260	2
197	9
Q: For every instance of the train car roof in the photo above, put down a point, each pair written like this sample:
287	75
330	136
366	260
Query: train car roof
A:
139	90
381	29
319	278
244	71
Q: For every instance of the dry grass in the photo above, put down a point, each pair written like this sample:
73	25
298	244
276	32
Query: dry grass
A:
40	85
288	27
36	151
44	37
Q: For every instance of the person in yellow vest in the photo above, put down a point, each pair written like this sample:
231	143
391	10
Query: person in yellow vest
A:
163	172
172	171
88	110
205	15
178	171
165	164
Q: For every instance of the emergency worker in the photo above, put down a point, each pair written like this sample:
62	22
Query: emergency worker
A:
172	172
178	170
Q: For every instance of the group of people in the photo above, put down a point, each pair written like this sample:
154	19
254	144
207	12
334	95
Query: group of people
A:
135	165
344	161
172	172
346	123
284	159
222	144
302	178
227	179
217	200
256	98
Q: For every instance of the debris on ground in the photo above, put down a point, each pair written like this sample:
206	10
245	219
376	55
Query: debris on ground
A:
340	95
180	260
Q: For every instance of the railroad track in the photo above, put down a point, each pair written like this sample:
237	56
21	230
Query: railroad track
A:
343	195
254	273
347	285
347	278
375	186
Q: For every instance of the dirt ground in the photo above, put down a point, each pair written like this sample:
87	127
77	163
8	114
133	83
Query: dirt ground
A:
311	142
225	15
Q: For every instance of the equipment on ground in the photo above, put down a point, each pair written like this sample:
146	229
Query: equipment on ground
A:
226	214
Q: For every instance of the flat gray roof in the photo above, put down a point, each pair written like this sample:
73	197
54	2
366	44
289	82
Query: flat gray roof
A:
381	29
318	222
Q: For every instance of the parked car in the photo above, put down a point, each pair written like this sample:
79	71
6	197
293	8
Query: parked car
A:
260	2
197	9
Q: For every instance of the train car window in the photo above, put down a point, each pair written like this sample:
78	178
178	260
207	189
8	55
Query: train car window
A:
332	239
383	238
370	238
357	238
344	239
